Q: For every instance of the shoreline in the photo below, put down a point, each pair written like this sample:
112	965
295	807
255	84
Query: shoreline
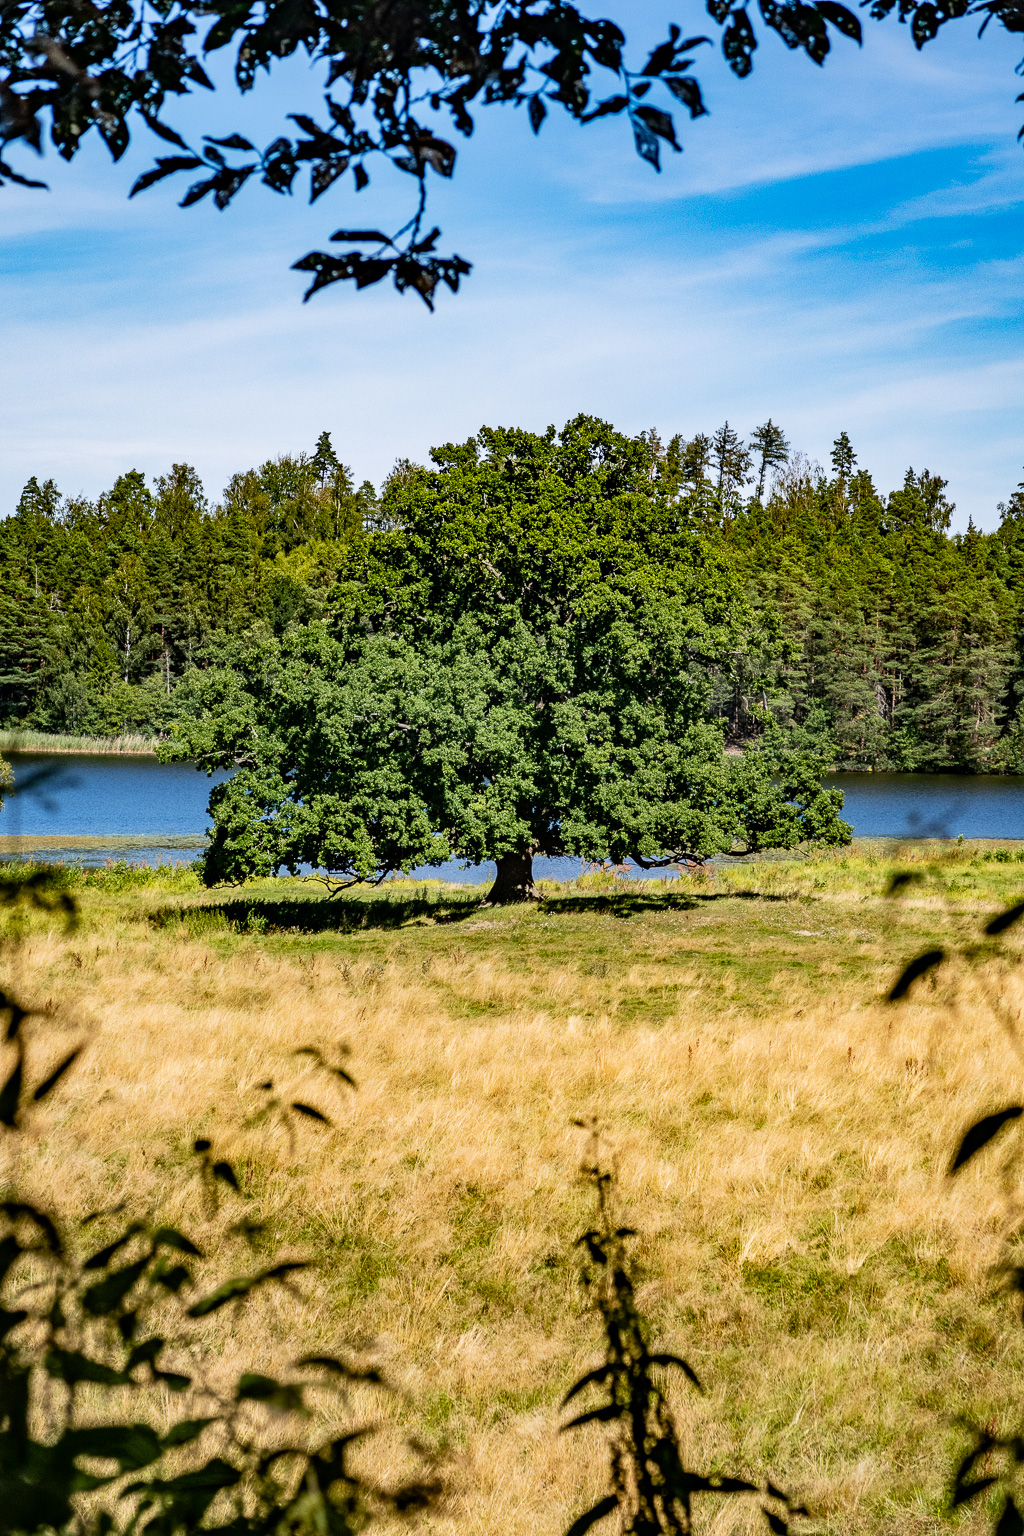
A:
88	842
42	743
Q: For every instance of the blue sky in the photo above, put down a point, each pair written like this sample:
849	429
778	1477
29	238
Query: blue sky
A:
838	248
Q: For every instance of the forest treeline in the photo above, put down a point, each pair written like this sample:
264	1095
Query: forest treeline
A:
864	615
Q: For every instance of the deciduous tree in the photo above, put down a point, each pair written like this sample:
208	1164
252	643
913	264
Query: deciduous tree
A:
519	665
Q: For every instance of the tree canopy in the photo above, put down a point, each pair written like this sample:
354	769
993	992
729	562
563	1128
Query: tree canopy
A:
395	79
861	607
518	664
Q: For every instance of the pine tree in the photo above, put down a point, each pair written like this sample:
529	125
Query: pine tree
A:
325	460
729	459
771	448
843	457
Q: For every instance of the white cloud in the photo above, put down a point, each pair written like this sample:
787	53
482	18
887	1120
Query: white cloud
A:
138	335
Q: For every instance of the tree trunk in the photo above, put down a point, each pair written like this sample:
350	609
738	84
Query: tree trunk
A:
514	880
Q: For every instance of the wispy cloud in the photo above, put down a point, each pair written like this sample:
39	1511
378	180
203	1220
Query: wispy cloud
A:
809	257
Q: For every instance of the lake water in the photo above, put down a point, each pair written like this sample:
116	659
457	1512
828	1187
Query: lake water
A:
126	797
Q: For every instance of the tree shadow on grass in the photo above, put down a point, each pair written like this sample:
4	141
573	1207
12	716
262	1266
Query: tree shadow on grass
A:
354	914
317	914
632	903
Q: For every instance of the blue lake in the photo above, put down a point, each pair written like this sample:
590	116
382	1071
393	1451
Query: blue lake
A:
124	796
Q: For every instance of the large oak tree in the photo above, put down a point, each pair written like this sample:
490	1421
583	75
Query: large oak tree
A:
520	663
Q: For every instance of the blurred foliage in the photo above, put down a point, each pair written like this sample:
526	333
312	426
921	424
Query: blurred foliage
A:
395	80
652	1489
991	1468
113	1417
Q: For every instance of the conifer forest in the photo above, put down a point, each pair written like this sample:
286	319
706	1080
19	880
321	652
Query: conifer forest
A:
863	616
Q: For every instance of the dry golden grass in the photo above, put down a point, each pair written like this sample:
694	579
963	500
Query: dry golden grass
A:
782	1136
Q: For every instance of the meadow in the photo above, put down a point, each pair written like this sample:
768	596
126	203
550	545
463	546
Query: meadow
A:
781	1135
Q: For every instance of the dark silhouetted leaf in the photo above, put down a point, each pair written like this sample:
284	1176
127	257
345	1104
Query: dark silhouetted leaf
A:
10	1096
172	1279
609	107
1005	919
49	1083
378	239
965	1492
900	881
233	141
739	43
646	141
592	1378
20	1209
686	1369
10	1250
132	1445
106	1295
170	1237
688	92
102	1257
919	967
603	1507
659	122
72	1367
980	1134
843	20
604	1415
233	1290
255	1388
162	130
164	167
185	1432
173	1380
310	1112
215	1475
339	1368
226	1173
537	112
1010	1522
324	173
9	1320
